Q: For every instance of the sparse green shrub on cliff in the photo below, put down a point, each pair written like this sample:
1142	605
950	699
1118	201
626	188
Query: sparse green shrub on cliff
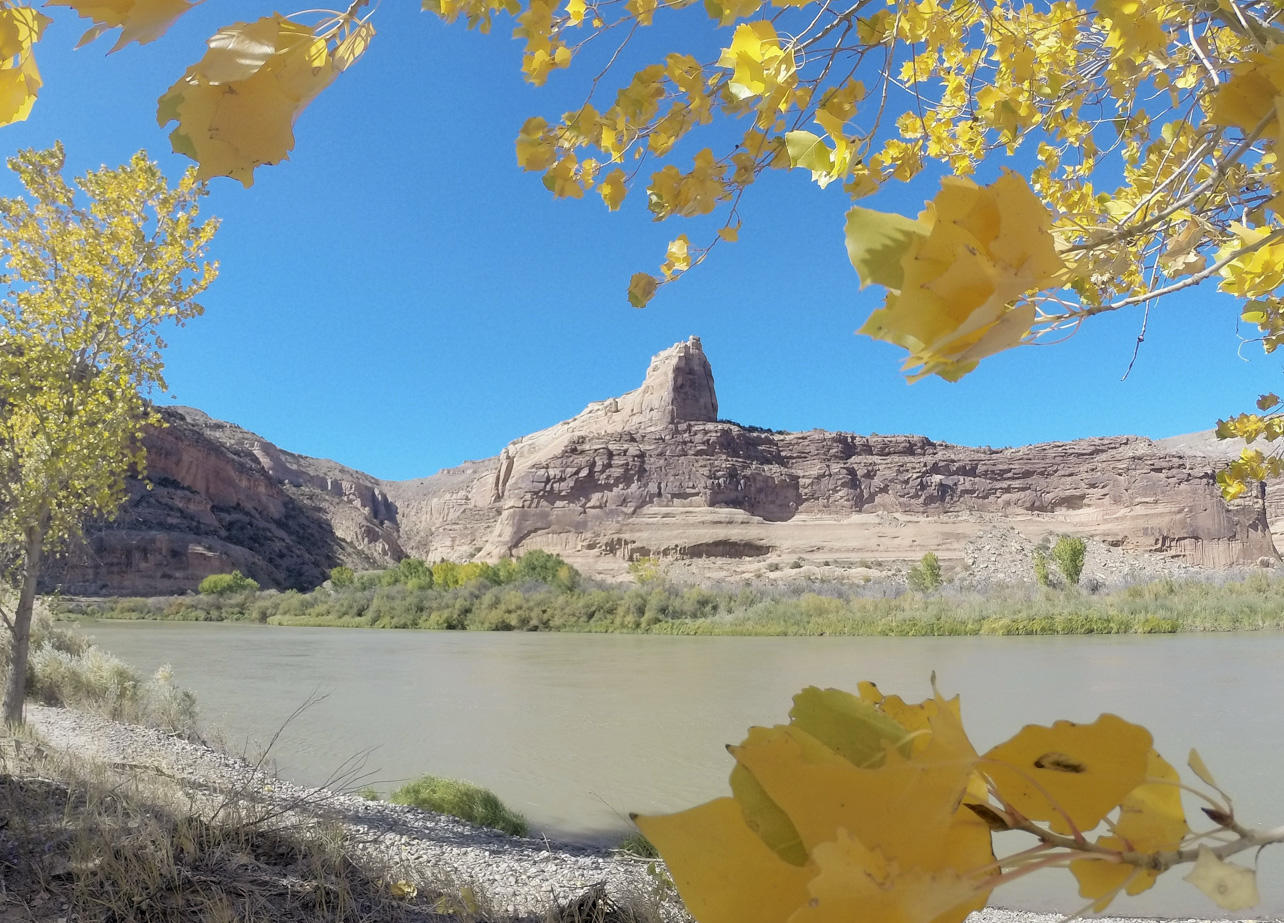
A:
1069	553
925	576
223	584
1041	576
464	800
644	570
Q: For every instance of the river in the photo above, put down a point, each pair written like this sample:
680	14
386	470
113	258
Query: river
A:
575	731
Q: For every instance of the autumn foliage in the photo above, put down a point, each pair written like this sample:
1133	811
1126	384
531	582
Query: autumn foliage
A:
867	807
1125	150
1076	158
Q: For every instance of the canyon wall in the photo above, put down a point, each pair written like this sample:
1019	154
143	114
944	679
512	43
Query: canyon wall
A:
651	473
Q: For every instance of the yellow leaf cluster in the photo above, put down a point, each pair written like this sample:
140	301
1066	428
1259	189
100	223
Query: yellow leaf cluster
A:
827	818
20	29
957	272
1259	269
760	65
236	107
139	21
868	807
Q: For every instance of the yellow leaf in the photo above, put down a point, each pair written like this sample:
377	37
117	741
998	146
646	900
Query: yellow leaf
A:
1197	765
403	889
1070	775
678	257
722	869
641	289
1231	886
139	21
1151	819
730	233
236	107
806	150
575	10
857	883
758	62
974	253
612	189
20	29
535	147
872	791
877	243
354	46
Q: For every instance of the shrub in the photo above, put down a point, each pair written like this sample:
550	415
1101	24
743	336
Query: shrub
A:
644	570
464	800
341	577
1041	567
1068	552
635	844
925	576
222	584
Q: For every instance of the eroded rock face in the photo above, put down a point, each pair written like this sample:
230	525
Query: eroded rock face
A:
652	472
222	499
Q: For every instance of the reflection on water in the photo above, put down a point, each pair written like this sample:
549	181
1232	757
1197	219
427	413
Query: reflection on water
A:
575	731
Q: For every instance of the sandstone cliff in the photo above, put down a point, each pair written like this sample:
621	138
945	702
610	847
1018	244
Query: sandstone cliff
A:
653	472
218	498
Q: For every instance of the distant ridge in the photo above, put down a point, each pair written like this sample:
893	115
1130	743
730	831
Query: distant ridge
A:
654	473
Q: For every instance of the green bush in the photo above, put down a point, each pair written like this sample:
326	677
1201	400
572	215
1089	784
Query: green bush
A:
223	584
1041	567
1068	552
464	800
341	577
925	576
635	844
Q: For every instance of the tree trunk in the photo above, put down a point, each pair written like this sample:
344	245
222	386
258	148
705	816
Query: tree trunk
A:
15	687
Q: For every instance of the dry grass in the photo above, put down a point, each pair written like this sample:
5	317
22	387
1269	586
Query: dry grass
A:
84	841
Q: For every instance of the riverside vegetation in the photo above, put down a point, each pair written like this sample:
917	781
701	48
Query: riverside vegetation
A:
540	592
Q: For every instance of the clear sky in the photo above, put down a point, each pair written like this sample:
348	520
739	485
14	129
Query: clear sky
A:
400	296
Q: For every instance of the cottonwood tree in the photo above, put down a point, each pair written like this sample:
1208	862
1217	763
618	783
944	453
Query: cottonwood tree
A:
89	274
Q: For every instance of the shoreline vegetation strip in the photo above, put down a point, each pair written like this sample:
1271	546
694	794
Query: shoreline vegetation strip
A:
548	595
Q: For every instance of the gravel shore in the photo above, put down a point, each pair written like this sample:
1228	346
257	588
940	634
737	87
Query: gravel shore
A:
519	875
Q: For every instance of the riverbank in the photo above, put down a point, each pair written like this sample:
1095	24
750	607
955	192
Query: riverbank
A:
289	852
402	862
1248	603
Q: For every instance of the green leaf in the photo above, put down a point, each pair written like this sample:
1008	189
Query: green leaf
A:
855	730
877	242
766	818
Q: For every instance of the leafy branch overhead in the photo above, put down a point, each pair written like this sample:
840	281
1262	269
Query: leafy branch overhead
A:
1080	156
867	807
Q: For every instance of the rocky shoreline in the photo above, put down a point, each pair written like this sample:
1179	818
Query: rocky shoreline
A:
517	876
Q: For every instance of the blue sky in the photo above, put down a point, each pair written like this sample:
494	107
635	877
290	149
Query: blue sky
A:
400	296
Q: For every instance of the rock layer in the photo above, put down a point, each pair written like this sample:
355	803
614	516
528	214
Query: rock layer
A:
653	473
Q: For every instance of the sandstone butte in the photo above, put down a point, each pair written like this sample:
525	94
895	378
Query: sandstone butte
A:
652	473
